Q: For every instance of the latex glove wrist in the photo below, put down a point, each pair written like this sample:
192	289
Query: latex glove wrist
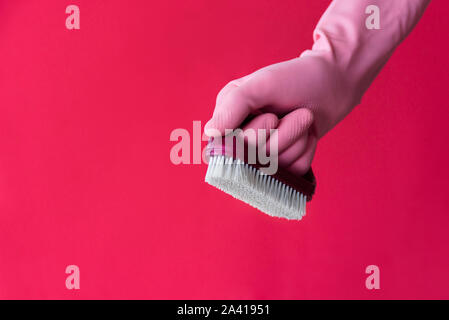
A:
353	52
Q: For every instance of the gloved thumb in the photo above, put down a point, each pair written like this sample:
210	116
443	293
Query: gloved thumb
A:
237	100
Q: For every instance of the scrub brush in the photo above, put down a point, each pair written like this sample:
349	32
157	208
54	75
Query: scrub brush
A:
280	195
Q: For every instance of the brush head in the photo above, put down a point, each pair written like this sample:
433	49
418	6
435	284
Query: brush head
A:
273	195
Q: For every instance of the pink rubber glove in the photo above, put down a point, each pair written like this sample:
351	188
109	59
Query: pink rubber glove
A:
314	92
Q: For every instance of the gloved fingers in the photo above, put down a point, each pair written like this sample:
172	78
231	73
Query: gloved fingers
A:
291	128
265	122
302	165
293	152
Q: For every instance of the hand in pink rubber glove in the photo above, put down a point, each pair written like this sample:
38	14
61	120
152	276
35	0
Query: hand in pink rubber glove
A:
314	92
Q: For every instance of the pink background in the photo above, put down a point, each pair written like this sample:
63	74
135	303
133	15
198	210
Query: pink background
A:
86	178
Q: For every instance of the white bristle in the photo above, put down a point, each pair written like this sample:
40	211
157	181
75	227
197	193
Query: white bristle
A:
256	188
